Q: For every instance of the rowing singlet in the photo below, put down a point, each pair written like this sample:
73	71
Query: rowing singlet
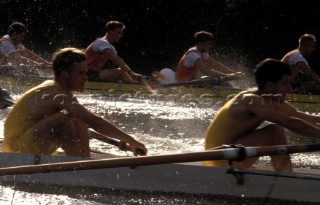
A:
224	125
292	58
18	136
95	56
185	73
7	47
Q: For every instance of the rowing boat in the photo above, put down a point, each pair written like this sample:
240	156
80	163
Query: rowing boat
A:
158	174
19	79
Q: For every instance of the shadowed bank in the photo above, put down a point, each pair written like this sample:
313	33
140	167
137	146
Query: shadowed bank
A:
158	32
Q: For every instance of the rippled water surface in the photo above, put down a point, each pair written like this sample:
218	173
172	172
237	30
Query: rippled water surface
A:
165	127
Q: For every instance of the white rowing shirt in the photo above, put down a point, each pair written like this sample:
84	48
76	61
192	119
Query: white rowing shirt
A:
192	56
296	57
101	44
7	47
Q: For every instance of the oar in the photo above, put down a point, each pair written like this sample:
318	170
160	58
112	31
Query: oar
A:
154	86
203	81
226	154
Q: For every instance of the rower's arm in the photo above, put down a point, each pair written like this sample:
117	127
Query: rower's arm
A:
17	58
102	126
286	119
312	119
206	69
307	71
118	61
209	70
218	66
122	64
31	55
97	123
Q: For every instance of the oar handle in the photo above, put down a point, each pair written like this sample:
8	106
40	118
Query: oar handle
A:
115	142
126	146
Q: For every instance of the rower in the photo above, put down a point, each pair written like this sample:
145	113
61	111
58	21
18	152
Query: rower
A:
48	116
197	62
298	63
101	50
13	51
258	117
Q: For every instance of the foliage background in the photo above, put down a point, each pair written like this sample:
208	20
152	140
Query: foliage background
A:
158	32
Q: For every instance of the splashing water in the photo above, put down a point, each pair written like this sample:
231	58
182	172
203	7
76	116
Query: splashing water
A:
165	128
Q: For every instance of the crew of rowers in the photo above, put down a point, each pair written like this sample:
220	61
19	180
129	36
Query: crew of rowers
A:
49	116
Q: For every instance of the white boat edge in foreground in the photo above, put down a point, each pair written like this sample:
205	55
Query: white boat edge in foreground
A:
188	178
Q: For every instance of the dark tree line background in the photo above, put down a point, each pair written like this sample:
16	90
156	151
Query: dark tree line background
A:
158	32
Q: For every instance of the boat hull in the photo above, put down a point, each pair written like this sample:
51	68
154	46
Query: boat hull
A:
180	178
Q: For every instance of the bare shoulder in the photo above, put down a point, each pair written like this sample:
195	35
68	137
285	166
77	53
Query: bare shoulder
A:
240	107
51	95
250	103
249	98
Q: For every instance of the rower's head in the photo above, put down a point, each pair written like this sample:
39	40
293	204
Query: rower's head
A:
114	30
203	41
70	68
17	32
273	77
307	44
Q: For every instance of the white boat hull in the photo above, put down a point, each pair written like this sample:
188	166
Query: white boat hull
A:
181	178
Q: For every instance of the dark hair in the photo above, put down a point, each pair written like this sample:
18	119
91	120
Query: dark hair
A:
65	58
112	25
270	70
203	36
307	38
17	27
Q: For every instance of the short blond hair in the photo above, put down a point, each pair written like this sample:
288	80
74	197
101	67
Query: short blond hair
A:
307	38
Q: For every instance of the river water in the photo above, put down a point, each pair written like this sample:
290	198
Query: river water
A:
165	127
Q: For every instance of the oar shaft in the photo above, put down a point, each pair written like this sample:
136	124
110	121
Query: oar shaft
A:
226	154
277	150
112	163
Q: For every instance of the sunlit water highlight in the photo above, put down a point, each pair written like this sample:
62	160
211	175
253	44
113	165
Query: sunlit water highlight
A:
165	127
